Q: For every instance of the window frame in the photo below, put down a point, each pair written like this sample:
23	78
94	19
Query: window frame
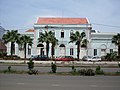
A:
71	51
95	52
62	34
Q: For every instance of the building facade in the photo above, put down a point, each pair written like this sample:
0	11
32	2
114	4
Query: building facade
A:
101	44
98	43
62	29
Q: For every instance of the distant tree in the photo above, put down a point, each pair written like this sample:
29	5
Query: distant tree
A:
77	38
116	41
46	37
11	36
24	41
85	44
111	56
54	42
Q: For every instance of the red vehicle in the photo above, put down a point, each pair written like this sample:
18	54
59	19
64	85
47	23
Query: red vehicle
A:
65	58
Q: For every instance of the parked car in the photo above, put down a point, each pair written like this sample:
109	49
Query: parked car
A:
91	58
64	58
87	58
39	57
96	58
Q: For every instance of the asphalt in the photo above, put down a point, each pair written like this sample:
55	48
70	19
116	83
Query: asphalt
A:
56	82
48	69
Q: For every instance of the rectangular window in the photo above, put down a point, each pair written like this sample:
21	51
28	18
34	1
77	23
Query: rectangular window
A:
71	51
111	50
62	34
71	32
95	52
29	51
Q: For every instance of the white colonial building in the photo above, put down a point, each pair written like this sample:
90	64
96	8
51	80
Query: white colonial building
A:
98	43
62	28
101	43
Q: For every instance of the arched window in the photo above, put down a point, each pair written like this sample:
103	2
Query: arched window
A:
62	45
103	48
62	50
40	45
40	50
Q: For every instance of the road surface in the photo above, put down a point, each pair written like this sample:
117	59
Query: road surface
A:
48	69
56	82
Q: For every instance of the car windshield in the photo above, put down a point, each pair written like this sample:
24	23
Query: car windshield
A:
89	56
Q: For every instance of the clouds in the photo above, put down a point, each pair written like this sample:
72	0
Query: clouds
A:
23	13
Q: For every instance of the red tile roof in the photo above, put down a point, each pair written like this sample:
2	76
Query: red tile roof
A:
62	21
30	30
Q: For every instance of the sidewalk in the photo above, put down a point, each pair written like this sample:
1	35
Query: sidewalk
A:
62	62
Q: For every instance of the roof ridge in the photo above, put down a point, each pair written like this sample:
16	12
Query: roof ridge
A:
30	30
62	20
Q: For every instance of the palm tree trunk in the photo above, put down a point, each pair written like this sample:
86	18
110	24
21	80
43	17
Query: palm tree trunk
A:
25	50
78	50
52	51
47	48
12	43
118	50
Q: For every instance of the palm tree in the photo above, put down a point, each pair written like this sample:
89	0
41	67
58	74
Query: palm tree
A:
54	42
46	37
11	36
116	41
77	38
85	45
111	56
24	41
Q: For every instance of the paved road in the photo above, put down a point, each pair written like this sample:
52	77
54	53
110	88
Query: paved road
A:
48	69
56	82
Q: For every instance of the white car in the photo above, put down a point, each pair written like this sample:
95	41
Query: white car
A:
96	58
91	58
87	58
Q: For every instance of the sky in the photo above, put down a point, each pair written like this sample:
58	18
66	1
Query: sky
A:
104	15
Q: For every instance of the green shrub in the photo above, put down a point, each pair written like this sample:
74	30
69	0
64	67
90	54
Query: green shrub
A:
30	64
112	56
98	70
11	71
82	72
73	69
9	57
30	72
9	68
87	72
117	73
3	54
30	67
53	67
